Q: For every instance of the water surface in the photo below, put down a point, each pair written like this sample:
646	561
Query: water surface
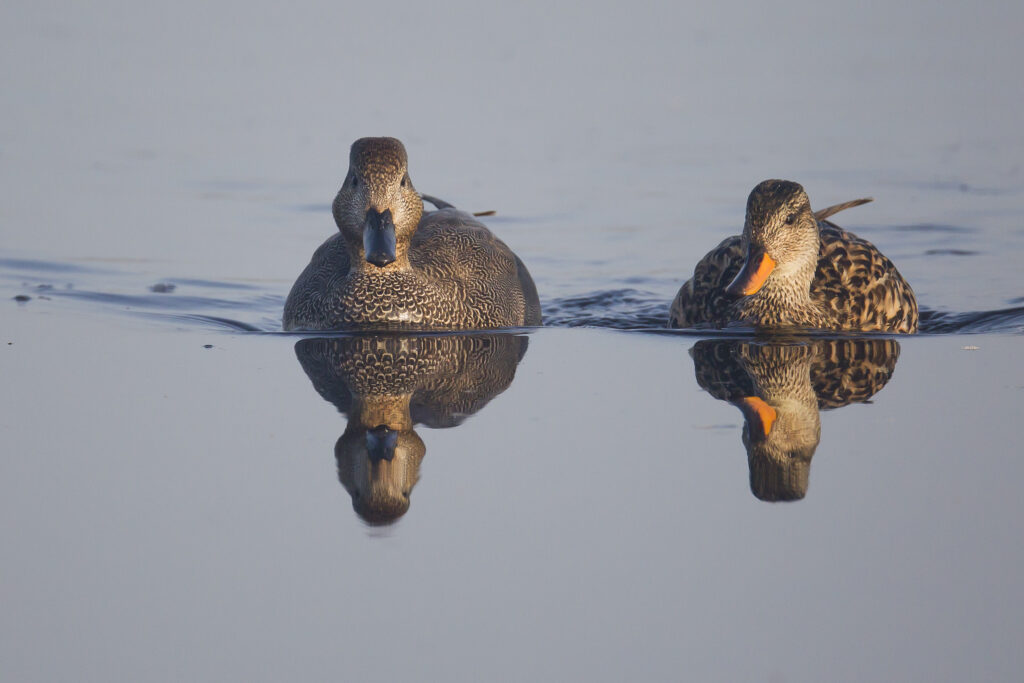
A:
189	494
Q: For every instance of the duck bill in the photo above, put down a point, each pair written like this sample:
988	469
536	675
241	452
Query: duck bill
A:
758	414
756	269
380	443
379	238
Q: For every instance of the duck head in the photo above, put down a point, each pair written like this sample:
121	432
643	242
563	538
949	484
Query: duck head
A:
780	240
780	438
378	467
377	209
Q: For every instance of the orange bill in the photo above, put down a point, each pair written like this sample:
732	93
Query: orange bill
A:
752	275
759	414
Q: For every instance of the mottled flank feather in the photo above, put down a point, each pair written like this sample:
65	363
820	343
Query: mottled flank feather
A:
846	371
842	371
859	287
702	300
854	287
443	379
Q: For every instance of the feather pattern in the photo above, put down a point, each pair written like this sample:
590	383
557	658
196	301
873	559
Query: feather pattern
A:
855	287
461	277
437	270
790	381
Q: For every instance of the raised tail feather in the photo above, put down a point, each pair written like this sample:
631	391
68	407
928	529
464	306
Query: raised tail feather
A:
439	203
822	214
442	204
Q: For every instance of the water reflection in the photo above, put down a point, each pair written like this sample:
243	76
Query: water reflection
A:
386	385
780	387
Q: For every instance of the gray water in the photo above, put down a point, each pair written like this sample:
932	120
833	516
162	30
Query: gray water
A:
186	492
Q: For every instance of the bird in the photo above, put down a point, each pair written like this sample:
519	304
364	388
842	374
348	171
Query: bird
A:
793	268
386	384
780	385
393	265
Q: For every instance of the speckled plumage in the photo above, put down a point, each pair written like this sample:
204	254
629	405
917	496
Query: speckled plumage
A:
844	283
451	272
396	382
446	377
796	379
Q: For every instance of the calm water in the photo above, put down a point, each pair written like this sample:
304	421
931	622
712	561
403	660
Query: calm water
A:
189	494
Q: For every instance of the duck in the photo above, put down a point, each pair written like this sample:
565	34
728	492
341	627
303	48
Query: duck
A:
394	265
779	387
386	384
793	268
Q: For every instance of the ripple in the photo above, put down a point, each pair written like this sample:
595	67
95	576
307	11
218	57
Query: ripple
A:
945	322
252	308
618	309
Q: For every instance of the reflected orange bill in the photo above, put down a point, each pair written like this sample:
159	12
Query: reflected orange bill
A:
760	415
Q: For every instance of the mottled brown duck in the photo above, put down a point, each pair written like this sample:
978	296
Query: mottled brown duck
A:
792	268
780	387
392	265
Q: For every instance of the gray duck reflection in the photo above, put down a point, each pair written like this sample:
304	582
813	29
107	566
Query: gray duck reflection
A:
386	385
780	387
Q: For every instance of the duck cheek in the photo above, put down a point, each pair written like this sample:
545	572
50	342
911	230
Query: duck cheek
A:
756	269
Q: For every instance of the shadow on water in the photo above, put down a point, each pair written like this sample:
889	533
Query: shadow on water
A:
248	307
385	386
780	387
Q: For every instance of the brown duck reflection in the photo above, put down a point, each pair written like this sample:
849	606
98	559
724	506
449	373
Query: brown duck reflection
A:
780	387
386	385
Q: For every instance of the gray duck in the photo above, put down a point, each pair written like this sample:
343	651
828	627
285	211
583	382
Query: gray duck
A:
388	384
392	265
792	268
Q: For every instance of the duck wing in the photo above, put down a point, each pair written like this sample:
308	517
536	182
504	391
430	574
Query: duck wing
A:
481	276
702	299
719	371
846	371
859	287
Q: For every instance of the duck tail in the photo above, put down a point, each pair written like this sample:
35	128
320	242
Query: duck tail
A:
822	214
442	204
439	203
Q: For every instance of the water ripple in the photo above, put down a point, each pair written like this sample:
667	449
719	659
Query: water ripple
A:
249	307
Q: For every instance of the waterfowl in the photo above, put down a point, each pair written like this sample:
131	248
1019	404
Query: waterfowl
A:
793	268
780	387
388	384
393	265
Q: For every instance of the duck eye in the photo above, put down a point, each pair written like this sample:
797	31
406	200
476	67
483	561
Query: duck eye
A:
353	181
405	181
790	219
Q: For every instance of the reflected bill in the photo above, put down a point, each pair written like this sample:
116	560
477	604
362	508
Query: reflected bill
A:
386	385
779	387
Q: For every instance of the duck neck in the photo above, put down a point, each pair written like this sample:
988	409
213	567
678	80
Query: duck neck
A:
363	267
390	410
785	297
790	283
782	375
